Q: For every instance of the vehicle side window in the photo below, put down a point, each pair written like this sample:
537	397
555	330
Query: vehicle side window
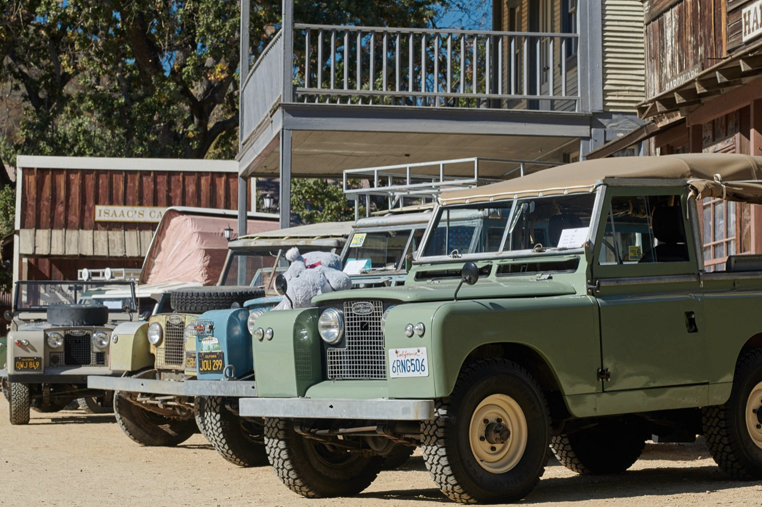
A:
644	230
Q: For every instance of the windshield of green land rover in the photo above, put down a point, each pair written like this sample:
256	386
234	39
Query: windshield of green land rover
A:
256	265
371	252
37	296
559	222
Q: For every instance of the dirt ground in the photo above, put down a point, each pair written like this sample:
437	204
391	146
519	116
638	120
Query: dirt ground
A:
73	459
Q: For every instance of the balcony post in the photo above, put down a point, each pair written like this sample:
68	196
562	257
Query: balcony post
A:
285	179
244	65
590	56
288	51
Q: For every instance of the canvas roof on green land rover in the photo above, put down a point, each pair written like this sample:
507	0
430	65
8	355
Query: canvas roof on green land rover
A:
731	177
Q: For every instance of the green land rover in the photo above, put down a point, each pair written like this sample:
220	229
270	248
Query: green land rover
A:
571	314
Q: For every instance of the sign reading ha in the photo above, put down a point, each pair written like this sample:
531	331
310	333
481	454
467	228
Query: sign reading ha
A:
142	214
752	21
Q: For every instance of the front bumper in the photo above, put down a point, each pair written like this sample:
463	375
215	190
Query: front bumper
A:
137	385
223	388
60	375
307	408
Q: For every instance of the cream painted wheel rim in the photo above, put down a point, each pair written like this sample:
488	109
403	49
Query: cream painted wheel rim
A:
495	449
754	415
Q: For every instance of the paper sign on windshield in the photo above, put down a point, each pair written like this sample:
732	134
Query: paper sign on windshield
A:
357	240
573	238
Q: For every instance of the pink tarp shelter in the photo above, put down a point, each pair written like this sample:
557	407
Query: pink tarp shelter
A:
189	246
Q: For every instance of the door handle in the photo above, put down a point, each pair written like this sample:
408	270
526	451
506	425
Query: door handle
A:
690	322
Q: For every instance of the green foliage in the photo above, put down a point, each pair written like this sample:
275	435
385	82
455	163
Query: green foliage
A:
7	210
316	201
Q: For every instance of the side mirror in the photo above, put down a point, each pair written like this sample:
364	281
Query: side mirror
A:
281	287
469	274
8	315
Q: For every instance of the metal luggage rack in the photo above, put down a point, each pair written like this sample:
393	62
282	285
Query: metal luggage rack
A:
108	274
426	180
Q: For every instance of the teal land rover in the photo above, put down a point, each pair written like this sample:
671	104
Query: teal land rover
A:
573	316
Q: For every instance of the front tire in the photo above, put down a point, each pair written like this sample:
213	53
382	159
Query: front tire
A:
313	469
150	429
20	403
608	448
240	441
733	431
489	440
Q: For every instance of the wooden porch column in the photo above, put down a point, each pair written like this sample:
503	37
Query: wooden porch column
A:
755	148
696	139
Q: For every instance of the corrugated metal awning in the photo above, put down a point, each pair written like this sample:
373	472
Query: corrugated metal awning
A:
84	243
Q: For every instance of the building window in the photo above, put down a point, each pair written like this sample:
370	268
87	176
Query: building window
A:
720	233
569	24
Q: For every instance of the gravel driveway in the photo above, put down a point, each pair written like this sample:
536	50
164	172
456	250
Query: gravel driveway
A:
73	459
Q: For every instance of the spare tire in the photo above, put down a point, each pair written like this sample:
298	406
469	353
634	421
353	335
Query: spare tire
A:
204	299
77	315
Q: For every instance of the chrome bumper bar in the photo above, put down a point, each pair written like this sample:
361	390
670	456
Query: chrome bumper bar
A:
137	385
224	388
307	408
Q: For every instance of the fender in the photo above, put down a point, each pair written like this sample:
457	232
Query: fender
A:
130	350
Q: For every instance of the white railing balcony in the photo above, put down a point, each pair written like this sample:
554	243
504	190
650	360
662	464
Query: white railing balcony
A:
407	67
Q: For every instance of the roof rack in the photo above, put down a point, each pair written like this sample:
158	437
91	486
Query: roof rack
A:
426	180
109	274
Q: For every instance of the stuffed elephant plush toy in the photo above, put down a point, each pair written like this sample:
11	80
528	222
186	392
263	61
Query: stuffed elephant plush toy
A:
312	274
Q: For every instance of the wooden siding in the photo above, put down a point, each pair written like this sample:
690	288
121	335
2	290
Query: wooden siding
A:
683	41
57	213
623	55
735	23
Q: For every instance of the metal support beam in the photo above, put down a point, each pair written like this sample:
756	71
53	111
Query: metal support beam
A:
285	179
244	64
590	63
242	223
288	51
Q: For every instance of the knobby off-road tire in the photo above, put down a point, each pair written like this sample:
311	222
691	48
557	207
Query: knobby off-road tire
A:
397	457
609	448
20	403
91	405
204	299
733	431
198	415
239	441
311	469
77	315
489	396
149	429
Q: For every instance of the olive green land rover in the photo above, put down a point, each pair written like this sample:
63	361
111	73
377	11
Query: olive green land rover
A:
568	311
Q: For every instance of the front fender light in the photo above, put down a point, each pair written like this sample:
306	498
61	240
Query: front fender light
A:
155	334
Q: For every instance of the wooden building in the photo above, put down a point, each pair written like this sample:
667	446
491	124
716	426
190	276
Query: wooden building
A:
74	213
703	94
552	81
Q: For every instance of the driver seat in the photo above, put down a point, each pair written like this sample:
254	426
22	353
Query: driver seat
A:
667	225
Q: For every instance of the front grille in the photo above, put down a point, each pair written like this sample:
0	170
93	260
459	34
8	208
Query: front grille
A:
362	355
174	353
77	349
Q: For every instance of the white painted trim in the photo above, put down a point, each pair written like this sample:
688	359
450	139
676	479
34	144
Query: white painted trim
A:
128	164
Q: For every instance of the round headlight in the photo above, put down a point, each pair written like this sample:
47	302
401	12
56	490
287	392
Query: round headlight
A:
252	320
258	333
55	340
383	319
409	330
331	326
419	329
155	334
189	332
100	340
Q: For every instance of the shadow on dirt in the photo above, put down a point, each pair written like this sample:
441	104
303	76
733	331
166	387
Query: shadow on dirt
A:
82	419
